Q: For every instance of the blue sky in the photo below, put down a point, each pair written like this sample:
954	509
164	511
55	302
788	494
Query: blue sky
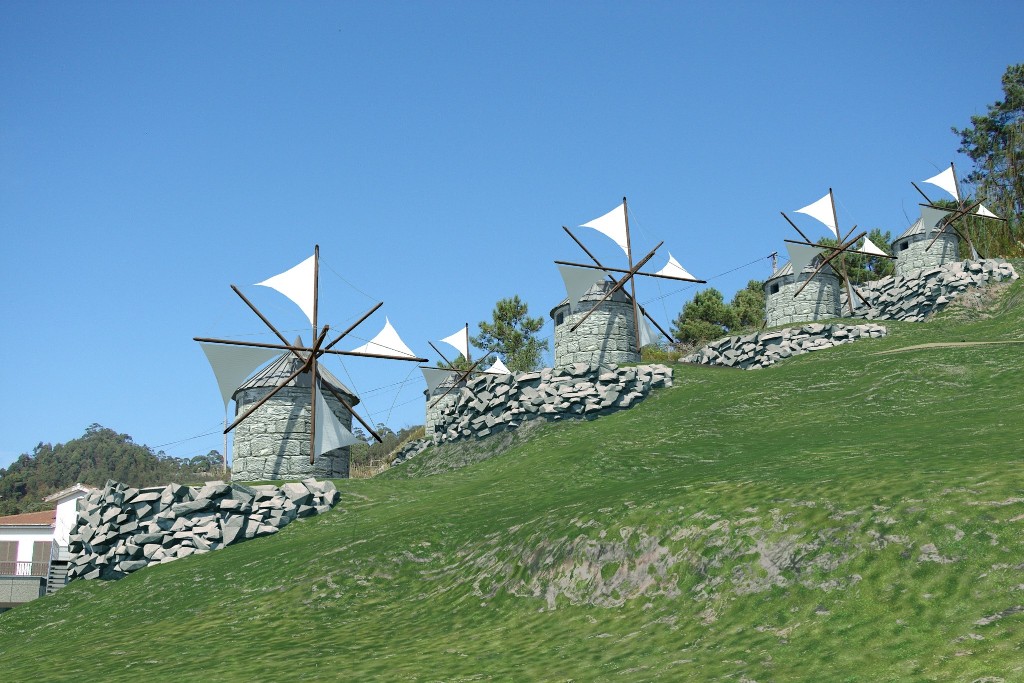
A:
152	154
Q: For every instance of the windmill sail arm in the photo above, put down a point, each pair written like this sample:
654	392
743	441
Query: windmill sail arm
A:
371	354
849	251
623	270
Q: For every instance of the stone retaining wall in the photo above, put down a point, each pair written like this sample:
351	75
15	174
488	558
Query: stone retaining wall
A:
494	403
759	350
926	291
121	529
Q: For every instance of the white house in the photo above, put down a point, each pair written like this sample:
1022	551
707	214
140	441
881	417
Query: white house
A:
33	549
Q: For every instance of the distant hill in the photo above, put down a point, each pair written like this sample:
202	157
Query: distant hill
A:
94	457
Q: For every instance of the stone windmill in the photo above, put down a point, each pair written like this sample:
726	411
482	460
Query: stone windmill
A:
599	322
443	381
294	396
934	239
808	286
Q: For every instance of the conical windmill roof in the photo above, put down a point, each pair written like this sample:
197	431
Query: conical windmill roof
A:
284	366
787	269
917	228
594	295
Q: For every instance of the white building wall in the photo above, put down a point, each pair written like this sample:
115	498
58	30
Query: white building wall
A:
25	536
66	515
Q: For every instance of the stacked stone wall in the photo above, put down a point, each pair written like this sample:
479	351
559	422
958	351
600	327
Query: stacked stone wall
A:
918	255
437	402
273	442
759	350
494	403
819	300
121	529
920	293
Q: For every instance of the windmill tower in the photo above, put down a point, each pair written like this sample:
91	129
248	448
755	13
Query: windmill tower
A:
934	238
808	287
296	415
274	442
444	382
599	322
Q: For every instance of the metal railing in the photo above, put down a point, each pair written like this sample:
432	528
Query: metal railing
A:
24	568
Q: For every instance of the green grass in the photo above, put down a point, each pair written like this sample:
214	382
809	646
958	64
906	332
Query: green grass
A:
773	525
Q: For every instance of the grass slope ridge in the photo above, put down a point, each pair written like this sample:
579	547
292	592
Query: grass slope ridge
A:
844	516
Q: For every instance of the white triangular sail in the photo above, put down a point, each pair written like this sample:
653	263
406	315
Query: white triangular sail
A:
871	248
435	377
296	284
459	341
498	368
982	211
647	335
673	269
823	212
330	433
931	217
947	181
612	224
578	281
232	364
801	255
386	343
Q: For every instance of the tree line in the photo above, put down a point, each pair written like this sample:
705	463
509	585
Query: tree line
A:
93	458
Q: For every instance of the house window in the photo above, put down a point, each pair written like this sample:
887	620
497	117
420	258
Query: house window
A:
8	557
40	558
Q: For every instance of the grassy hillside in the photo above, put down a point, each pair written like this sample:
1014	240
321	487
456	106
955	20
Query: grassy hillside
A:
848	515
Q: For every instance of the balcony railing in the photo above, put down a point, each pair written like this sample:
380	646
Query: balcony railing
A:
24	568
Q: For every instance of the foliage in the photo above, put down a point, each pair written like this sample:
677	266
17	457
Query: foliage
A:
704	318
708	317
748	305
846	515
460	363
995	142
861	268
99	454
512	335
370	451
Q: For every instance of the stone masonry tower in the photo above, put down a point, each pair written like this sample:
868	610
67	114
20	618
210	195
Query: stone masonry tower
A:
913	253
819	300
607	336
273	443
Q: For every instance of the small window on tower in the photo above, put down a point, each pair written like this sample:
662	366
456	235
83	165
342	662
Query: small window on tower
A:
559	318
904	245
774	289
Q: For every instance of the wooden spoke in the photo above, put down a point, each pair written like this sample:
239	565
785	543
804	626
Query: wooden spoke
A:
921	192
345	404
599	265
456	382
282	385
794	227
837	251
262	317
353	326
618	285
850	251
622	270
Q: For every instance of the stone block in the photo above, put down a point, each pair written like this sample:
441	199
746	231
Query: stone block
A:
297	493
